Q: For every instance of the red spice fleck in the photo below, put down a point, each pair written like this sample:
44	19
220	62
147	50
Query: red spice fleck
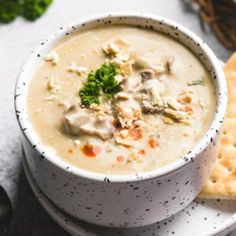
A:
90	150
136	134
141	151
153	143
120	159
224	140
96	150
179	99
70	151
187	108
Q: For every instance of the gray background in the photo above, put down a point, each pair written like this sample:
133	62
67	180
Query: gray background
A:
16	41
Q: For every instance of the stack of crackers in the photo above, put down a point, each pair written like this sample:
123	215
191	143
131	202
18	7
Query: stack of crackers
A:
222	182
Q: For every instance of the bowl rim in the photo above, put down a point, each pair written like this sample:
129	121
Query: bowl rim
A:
32	137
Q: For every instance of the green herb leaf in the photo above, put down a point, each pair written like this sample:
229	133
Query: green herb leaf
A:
30	9
98	82
9	10
195	82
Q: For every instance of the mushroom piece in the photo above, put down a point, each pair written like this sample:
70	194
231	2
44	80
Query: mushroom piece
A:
169	64
80	121
146	74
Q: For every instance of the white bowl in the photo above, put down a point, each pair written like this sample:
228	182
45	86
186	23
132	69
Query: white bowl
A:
127	200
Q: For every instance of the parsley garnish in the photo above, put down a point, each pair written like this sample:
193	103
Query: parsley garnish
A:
195	82
9	10
29	9
98	82
32	9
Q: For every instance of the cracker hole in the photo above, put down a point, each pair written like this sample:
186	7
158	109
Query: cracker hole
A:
213	180
224	132
219	156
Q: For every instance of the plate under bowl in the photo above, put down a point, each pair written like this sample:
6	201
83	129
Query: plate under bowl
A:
200	218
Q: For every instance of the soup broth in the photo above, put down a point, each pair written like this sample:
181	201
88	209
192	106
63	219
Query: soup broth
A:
120	100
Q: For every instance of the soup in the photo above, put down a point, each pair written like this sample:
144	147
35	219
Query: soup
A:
120	100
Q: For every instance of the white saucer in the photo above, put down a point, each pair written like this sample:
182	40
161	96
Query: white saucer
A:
200	218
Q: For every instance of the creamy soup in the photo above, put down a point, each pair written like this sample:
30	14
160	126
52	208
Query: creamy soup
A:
120	100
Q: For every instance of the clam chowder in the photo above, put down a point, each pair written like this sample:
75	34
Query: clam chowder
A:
120	100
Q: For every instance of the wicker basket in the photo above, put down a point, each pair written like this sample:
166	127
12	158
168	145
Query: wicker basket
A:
221	16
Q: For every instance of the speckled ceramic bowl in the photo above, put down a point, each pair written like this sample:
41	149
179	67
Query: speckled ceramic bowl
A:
128	200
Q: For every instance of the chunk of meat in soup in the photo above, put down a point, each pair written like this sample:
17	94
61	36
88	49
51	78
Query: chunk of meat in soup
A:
80	121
